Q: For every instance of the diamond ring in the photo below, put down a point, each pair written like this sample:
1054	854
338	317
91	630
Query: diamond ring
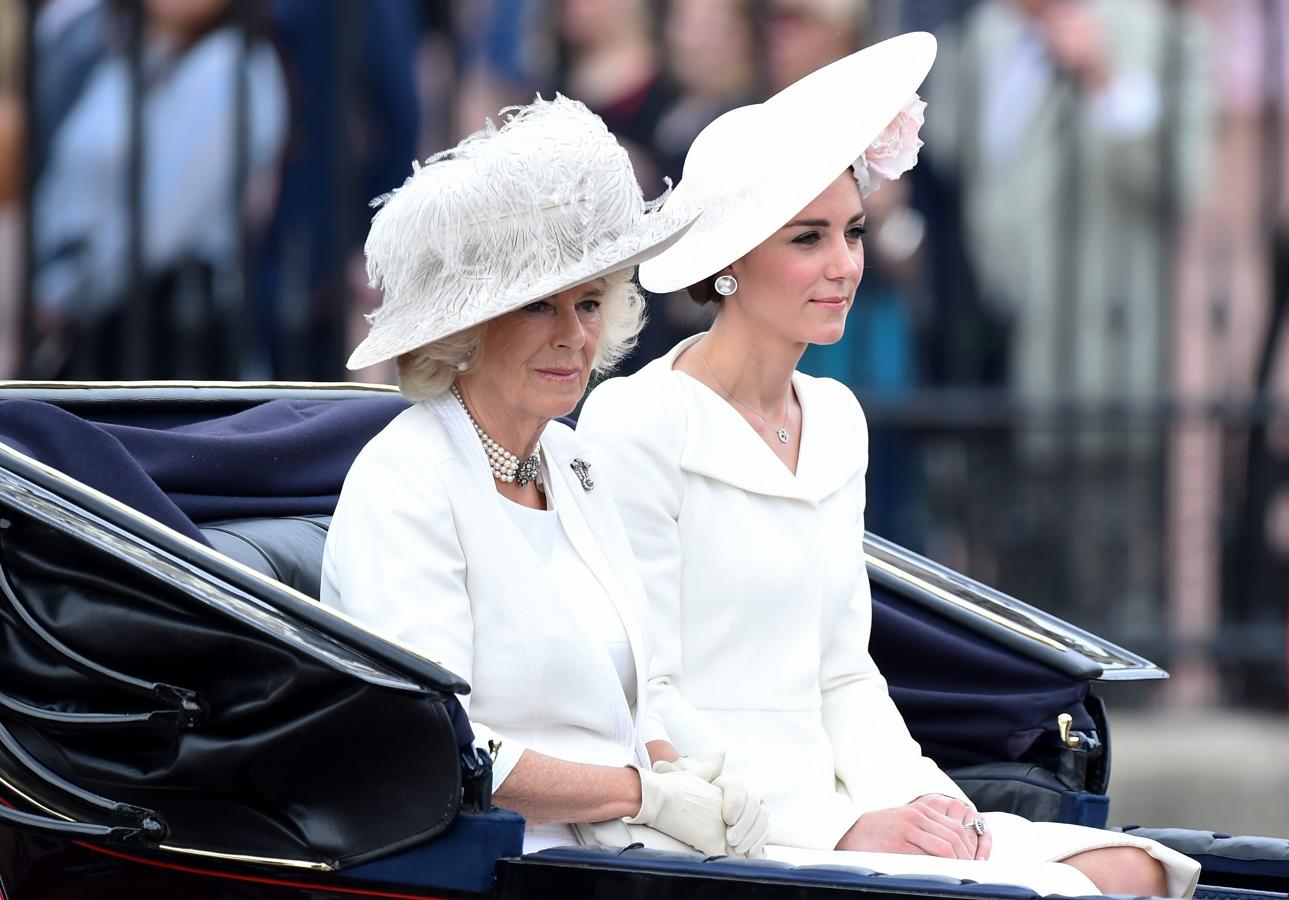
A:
977	825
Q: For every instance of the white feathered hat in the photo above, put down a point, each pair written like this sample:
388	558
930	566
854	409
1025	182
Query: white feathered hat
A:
756	166
508	216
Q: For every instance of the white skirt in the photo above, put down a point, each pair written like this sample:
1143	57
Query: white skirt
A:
1024	853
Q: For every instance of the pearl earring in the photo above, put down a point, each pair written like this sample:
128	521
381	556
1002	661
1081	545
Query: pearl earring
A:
726	285
462	366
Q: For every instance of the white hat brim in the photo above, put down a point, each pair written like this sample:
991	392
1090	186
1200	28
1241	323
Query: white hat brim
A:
655	233
755	167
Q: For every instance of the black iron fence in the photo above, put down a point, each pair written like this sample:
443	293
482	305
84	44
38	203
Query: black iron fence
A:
1098	515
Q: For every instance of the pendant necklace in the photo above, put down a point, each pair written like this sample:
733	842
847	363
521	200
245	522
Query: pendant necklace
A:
505	465
782	433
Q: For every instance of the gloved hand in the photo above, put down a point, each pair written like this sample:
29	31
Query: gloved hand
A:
746	818
684	804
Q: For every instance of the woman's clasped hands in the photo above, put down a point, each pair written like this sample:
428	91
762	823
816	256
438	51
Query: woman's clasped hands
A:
693	801
932	825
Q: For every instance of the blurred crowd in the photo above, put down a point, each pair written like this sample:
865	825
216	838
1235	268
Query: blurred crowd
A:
1095	230
209	162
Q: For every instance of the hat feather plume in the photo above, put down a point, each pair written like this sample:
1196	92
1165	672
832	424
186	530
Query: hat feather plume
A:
498	211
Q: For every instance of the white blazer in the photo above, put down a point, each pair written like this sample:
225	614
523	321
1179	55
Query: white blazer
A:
422	551
760	598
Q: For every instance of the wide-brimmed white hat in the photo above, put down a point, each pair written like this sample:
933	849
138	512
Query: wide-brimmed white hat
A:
756	166
508	216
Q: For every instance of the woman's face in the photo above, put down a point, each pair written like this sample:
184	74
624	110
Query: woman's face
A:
535	361
800	37
583	22
799	283
708	68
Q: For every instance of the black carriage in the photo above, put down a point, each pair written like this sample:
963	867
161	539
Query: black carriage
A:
179	717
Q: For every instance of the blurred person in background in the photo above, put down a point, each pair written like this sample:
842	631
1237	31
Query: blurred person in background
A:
712	77
610	61
1227	522
802	35
192	54
352	129
12	136
71	38
1077	132
500	52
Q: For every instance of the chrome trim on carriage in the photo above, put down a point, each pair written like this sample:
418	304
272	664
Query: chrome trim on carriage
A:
949	598
68	387
994	614
59	513
301	864
187	393
17	792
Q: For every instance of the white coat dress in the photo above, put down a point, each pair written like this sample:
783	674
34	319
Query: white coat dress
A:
421	551
761	615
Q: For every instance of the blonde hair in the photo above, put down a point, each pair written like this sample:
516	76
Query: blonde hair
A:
430	369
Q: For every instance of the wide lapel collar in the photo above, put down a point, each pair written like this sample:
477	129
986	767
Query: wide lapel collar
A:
719	444
834	438
461	433
569	496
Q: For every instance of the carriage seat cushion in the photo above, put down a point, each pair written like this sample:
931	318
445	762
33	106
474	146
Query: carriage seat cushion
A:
1228	858
288	549
463	858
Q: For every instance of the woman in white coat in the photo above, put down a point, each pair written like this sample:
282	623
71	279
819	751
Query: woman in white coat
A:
469	530
741	482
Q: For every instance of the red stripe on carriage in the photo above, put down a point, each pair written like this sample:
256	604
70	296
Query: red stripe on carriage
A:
256	879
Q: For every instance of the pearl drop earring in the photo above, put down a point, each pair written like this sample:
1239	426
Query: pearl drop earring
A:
726	285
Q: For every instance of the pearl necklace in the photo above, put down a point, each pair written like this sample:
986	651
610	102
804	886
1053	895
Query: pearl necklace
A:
505	465
782	432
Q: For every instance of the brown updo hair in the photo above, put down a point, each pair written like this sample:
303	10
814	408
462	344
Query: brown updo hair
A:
704	292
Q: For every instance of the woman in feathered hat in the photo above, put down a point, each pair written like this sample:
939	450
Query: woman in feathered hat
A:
471	527
741	482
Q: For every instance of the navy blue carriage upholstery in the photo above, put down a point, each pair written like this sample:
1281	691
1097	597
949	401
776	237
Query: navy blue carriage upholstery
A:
184	465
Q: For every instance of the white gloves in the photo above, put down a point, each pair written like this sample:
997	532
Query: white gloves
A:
744	814
746	818
685	805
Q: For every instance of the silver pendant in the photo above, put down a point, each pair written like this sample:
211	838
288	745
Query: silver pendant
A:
582	469
783	435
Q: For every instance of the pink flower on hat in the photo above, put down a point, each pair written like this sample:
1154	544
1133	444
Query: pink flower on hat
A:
894	151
